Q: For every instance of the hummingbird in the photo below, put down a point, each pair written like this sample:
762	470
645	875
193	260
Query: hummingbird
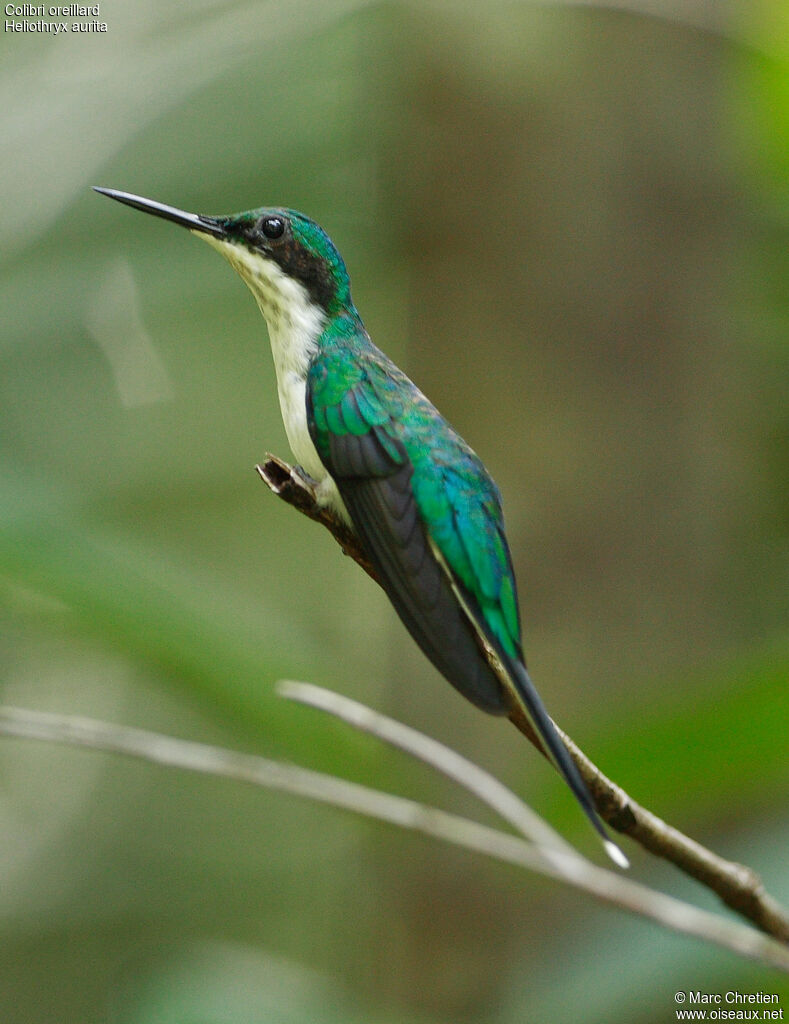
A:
426	511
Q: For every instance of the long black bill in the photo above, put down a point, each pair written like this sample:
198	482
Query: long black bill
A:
193	221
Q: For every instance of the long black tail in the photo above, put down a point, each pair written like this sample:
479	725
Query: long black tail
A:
554	747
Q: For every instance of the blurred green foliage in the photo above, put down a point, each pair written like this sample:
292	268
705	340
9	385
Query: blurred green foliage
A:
569	224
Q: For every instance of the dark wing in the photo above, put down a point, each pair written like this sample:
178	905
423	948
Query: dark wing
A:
374	473
384	513
452	584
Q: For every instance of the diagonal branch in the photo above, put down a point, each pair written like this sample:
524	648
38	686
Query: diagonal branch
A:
560	863
738	886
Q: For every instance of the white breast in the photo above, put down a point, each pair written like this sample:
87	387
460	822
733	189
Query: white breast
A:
294	326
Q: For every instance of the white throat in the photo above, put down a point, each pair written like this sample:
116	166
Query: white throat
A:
295	324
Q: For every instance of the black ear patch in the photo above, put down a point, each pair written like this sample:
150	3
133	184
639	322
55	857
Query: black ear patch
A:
304	266
271	234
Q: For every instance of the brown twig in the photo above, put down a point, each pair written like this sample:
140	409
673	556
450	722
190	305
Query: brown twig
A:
738	886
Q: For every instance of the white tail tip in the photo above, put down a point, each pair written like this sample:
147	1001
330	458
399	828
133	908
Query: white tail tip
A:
616	854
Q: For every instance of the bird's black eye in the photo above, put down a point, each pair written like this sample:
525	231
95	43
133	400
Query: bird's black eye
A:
272	227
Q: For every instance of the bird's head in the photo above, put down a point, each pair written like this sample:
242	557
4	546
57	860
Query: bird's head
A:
286	259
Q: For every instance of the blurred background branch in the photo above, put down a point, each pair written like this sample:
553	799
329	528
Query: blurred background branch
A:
554	860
